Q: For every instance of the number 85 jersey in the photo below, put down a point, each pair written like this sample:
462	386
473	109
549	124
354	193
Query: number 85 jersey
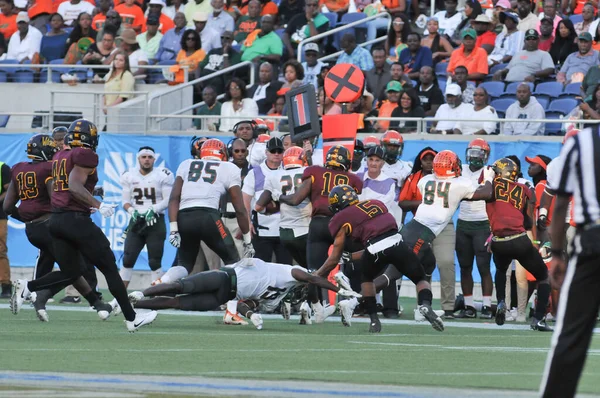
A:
145	191
441	198
204	181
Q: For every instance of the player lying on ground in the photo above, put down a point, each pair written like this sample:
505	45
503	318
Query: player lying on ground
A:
260	284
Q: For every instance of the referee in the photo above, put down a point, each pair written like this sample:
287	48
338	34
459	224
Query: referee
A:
578	174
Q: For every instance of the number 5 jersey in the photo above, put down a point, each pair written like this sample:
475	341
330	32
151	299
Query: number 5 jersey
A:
143	191
204	181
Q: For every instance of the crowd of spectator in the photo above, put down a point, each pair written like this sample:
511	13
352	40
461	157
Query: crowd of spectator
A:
445	69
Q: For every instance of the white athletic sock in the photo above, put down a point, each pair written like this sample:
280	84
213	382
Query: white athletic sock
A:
126	273
487	301
478	305
469	301
154	275
173	274
378	298
232	306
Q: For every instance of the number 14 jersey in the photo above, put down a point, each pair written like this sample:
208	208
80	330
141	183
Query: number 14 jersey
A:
441	198
204	181
286	182
142	191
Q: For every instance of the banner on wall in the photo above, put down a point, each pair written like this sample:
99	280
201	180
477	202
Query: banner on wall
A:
117	154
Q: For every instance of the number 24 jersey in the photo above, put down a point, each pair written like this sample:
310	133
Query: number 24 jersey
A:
441	198
204	181
143	191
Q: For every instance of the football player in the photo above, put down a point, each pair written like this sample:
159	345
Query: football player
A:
472	232
257	284
317	182
510	211
146	192
359	155
73	231
393	145
370	224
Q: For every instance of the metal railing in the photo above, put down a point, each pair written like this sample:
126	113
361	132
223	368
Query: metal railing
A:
58	67
180	87
341	28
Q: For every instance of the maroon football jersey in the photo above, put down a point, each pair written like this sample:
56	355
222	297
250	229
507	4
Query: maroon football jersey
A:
62	164
323	181
366	219
506	210
30	181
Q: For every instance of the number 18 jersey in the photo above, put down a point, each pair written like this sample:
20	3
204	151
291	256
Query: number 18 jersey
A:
323	181
441	198
286	181
204	181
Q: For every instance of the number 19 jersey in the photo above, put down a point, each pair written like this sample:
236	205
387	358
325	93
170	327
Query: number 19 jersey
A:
204	181
286	181
441	198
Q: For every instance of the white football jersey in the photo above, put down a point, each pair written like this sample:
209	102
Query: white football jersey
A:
142	191
257	153
441	198
204	181
399	171
267	282
286	182
472	210
254	185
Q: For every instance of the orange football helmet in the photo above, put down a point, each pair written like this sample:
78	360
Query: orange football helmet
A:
213	149
263	138
371	141
477	152
447	165
261	126
393	144
294	157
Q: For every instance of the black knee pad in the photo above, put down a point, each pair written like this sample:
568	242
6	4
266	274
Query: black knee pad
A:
154	263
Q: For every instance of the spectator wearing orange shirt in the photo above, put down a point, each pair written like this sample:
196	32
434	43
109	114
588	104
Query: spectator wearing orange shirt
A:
470	56
410	196
40	13
100	18
485	38
132	15
8	19
164	22
338	6
267	8
386	107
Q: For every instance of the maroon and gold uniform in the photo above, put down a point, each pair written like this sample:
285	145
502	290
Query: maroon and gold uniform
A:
366	220
30	180
508	207
62	165
323	180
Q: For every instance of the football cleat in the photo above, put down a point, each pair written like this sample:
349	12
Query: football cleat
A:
104	310
233	319
375	325
420	318
136	296
257	321
20	294
321	313
486	313
501	313
540	325
141	319
305	314
347	310
39	300
467	312
342	281
432	317
116	308
286	310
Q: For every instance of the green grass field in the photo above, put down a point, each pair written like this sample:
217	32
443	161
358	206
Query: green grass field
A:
404	354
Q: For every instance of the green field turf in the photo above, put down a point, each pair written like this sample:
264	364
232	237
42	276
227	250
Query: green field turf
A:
200	346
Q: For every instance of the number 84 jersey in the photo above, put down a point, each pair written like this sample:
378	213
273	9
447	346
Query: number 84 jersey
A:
441	198
204	181
286	182
143	191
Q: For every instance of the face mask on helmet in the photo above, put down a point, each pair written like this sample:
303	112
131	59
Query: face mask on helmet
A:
476	157
359	154
392	153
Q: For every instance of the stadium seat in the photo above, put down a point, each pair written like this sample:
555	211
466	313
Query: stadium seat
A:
167	62
494	89
440	69
442	85
511	88
553	128
4	120
55	78
81	74
572	90
549	89
332	16
563	105
154	76
576	18
23	76
352	17
496	68
3	76
543	102
502	104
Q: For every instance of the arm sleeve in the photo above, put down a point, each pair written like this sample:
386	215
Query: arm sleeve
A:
235	176
277	47
533	128
490	127
85	158
161	47
182	170
547	61
482	63
248	187
126	193
166	187
127	84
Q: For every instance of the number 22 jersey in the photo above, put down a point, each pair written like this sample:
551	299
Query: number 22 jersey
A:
441	198
286	181
204	181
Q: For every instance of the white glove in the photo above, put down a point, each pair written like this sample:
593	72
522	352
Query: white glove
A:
107	210
489	174
248	250
342	280
348	293
257	321
275	195
175	239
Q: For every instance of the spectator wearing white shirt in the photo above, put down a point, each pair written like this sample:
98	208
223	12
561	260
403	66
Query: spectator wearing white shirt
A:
209	37
481	111
454	108
132	48
526	107
236	104
70	10
25	43
220	20
312	66
173	7
448	20
509	41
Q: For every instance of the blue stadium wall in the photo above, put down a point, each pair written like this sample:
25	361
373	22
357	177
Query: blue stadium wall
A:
117	154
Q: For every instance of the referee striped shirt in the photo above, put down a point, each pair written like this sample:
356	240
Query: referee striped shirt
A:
578	174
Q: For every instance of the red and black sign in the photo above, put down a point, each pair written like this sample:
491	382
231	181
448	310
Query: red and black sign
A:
344	83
